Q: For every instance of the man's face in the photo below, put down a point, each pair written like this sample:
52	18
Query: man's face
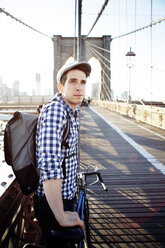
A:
74	88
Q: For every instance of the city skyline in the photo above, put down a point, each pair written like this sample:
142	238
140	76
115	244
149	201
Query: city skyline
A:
25	52
15	90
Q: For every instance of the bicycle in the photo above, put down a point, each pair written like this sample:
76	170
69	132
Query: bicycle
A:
83	207
75	234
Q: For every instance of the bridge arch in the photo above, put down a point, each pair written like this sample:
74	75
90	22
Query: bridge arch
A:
94	82
64	48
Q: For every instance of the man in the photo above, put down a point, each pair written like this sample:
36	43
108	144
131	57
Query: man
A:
55	196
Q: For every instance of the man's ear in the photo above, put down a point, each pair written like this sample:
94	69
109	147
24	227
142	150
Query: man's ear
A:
60	87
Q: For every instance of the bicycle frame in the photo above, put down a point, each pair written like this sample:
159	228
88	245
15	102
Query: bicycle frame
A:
82	208
83	211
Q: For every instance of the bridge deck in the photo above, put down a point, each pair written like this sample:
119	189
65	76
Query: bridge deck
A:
132	212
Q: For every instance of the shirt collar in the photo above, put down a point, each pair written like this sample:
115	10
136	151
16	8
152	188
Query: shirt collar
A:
59	98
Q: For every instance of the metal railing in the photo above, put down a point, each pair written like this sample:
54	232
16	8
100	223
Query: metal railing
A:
17	220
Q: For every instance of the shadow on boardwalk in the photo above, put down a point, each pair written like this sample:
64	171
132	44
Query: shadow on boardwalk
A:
132	212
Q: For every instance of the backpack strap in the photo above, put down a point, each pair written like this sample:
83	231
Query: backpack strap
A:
64	143
66	133
66	130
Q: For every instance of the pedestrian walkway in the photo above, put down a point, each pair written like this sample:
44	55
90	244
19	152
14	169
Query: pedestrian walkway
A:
131	158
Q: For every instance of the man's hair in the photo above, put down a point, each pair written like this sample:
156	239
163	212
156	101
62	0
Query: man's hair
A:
78	67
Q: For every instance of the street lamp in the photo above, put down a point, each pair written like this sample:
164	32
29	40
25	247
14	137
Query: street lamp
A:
130	63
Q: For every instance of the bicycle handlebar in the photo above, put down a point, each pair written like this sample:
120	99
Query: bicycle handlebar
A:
99	177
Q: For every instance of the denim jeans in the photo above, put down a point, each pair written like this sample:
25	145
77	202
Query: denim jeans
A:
47	220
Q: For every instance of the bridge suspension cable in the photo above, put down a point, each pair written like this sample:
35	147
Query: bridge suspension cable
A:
140	29
98	16
101	60
98	47
75	27
23	23
90	46
105	91
96	52
149	66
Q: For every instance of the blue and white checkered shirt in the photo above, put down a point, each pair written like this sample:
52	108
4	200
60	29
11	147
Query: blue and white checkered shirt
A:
49	154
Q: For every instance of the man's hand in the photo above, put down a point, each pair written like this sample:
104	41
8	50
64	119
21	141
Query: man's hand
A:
70	219
52	189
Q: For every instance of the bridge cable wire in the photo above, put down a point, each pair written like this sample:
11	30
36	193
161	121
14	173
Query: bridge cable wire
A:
23	23
102	62
98	47
151	70
104	85
90	45
96	53
149	66
98	16
140	29
93	49
136	30
105	89
75	27
101	94
93	52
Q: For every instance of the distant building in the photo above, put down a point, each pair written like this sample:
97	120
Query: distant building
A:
38	84
95	92
112	94
4	90
16	88
23	93
124	95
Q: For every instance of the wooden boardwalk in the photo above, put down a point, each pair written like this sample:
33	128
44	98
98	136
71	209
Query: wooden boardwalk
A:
132	212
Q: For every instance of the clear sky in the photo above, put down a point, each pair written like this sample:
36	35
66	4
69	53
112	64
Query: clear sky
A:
24	52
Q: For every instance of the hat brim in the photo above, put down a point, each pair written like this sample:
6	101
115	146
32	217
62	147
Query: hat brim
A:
68	67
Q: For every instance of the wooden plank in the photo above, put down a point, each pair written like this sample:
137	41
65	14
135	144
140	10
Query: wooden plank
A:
132	212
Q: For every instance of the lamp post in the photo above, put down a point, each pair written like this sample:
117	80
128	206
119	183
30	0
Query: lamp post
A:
130	63
79	29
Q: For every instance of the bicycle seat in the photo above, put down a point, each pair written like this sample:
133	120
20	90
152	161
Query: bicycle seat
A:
72	234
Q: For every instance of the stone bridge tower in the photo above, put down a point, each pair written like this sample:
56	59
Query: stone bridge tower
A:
64	48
